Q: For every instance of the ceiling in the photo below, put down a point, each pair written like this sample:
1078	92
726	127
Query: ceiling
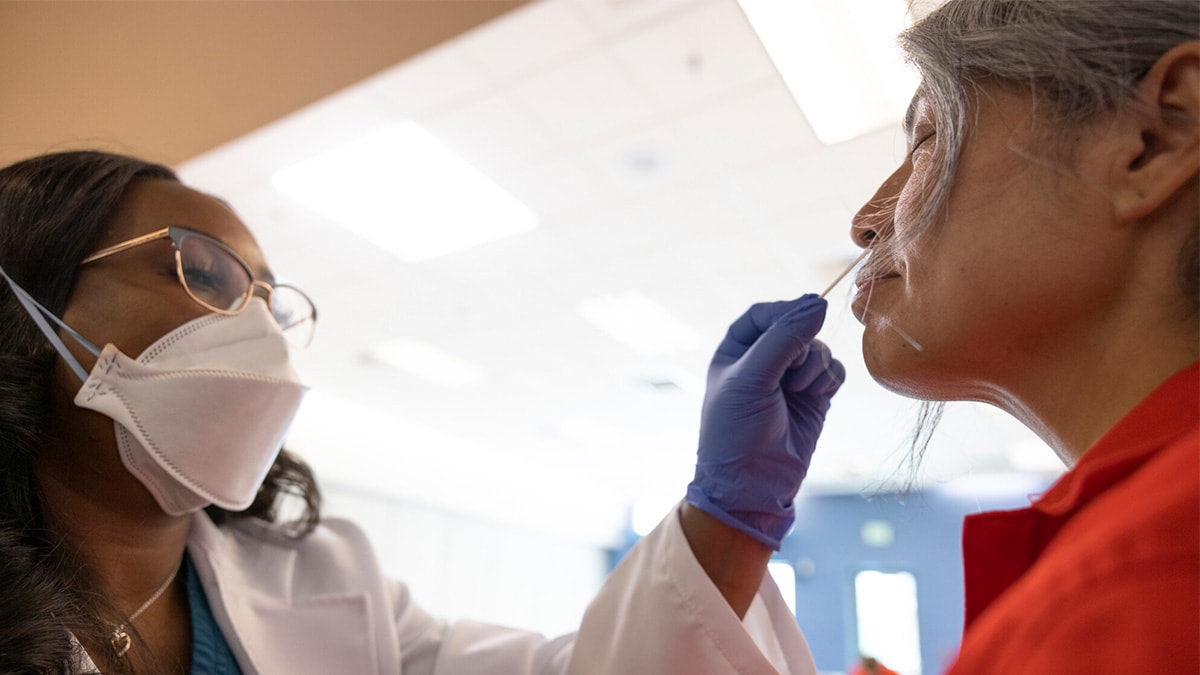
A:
663	155
170	80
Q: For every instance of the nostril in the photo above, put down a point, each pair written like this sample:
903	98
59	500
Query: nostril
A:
864	236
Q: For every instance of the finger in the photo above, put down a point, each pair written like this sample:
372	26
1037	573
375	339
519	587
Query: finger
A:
819	375
749	327
786	342
828	383
808	367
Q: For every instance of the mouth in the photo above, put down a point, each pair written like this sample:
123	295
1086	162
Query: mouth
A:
868	277
865	284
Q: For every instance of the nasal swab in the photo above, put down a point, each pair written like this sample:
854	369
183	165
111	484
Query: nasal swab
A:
846	271
907	338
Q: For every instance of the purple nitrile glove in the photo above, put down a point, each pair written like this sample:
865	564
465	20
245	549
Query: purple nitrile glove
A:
769	387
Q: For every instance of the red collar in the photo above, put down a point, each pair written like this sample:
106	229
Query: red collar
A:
1169	412
1000	546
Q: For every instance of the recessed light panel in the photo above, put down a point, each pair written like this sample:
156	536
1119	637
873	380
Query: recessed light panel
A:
839	59
405	191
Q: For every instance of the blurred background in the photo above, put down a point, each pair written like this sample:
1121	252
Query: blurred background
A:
526	225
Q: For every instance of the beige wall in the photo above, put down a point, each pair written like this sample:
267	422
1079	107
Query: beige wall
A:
170	80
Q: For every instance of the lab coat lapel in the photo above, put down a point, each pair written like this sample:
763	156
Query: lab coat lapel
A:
269	628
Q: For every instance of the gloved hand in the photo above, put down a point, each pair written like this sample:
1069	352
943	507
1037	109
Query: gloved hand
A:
769	387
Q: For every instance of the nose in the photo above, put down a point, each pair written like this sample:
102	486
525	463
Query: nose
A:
876	218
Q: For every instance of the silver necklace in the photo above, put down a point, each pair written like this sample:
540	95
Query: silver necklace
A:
120	639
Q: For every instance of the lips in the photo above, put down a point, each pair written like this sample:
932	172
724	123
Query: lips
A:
865	283
868	276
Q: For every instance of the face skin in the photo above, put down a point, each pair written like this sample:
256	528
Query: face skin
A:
1005	278
134	297
129	299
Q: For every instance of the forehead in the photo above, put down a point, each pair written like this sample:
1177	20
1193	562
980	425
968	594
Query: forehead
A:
150	205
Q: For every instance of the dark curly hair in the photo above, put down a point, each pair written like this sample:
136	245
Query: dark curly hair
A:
52	208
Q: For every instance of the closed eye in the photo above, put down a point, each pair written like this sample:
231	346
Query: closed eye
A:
921	141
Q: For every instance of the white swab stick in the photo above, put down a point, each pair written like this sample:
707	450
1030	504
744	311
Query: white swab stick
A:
846	271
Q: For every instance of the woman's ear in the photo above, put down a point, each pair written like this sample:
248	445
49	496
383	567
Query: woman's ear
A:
1165	155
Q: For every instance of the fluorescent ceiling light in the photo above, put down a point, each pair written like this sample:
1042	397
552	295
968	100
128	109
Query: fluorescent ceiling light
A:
839	59
640	323
425	361
401	189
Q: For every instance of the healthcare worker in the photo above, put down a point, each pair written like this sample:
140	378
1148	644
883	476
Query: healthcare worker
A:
145	390
1039	244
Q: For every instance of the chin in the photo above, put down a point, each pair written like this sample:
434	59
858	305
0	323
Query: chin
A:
926	375
899	367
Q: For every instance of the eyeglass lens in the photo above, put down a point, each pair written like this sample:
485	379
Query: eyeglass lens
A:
215	277
294	313
220	280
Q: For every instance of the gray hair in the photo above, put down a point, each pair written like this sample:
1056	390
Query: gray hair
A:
1079	59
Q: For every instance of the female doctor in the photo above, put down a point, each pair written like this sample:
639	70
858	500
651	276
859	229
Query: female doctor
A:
144	394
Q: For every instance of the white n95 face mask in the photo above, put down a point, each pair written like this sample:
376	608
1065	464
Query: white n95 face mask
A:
200	415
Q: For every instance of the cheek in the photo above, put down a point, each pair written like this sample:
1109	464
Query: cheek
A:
131	313
912	198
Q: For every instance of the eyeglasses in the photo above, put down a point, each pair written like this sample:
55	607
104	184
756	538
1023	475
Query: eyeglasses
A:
219	280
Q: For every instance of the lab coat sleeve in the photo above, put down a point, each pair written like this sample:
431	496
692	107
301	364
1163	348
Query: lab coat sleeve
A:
430	646
658	613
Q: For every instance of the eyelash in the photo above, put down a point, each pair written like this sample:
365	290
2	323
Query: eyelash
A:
919	143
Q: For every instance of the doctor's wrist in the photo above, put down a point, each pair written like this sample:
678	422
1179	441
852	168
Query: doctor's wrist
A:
733	560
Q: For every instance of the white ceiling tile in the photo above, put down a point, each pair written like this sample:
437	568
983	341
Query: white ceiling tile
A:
429	83
556	189
643	161
582	99
492	134
608	18
750	126
700	54
529	39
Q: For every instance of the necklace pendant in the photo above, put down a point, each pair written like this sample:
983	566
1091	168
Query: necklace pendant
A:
121	640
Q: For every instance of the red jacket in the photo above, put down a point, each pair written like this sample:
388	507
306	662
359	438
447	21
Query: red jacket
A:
1102	573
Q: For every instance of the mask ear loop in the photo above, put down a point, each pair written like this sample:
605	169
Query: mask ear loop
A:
36	312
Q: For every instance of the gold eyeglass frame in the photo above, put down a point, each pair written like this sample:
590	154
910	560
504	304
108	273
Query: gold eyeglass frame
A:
176	233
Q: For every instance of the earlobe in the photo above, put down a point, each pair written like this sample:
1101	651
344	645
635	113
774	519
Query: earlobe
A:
1165	156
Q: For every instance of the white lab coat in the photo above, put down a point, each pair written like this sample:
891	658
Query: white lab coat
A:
321	605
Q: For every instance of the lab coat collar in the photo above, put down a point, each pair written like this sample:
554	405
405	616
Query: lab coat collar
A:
270	623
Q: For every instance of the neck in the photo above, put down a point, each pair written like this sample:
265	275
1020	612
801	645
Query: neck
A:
128	547
107	517
127	551
1073	395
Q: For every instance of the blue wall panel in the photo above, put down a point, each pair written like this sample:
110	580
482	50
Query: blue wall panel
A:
827	548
